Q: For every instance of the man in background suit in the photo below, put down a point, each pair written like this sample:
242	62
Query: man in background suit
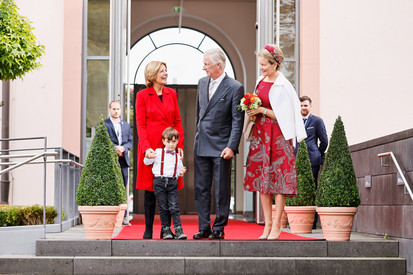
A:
217	137
316	140
121	136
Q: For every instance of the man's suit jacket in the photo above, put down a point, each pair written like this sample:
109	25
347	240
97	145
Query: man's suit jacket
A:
316	131
218	122
126	139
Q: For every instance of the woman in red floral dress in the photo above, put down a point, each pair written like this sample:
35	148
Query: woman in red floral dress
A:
271	164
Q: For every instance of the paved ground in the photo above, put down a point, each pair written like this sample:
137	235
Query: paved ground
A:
77	233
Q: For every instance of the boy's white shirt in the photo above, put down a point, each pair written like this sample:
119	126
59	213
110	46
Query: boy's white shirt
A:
168	166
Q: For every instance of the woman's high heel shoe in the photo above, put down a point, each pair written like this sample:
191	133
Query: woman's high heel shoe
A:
275	236
266	232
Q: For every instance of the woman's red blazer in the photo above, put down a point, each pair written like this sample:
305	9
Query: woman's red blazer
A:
152	117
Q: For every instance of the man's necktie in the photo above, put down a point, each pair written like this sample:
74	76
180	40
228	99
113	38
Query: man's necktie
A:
305	120
119	137
170	152
211	88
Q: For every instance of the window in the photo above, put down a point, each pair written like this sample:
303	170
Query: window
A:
182	51
289	39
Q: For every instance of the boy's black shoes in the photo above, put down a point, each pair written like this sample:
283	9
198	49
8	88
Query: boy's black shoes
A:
167	233
179	234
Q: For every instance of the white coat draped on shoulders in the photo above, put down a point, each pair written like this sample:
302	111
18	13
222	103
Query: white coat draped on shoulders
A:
287	108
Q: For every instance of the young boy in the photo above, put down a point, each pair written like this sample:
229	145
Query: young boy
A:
167	167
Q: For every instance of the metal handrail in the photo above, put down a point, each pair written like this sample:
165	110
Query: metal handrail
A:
30	160
406	184
43	154
48	161
8	158
15	156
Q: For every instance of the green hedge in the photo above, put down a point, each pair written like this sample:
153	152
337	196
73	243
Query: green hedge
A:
25	215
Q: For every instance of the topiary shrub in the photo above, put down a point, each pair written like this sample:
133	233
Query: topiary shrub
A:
338	184
101	180
305	179
119	176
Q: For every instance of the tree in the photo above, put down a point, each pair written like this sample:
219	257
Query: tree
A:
19	50
19	54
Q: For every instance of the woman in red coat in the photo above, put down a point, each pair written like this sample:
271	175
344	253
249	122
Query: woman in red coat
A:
156	109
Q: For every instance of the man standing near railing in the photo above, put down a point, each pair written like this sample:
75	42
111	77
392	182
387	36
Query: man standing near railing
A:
121	136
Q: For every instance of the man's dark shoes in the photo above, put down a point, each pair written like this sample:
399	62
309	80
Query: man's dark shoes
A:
217	234
202	234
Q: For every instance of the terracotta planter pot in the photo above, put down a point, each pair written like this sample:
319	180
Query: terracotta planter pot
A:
300	218
120	216
283	217
99	221
336	222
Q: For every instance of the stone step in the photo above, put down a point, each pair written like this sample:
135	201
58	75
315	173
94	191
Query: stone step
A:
366	248
201	265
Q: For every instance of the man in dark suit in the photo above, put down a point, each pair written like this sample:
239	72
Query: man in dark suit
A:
217	137
316	140
121	136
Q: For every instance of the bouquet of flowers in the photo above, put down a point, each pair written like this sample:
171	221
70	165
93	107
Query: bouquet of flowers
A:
249	102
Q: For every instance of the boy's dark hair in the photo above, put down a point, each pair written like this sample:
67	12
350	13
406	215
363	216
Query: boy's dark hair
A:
304	98
170	133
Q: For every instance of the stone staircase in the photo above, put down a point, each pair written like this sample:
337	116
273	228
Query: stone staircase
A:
361	257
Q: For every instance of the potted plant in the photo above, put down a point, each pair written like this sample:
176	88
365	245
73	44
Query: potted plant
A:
101	189
337	195
301	210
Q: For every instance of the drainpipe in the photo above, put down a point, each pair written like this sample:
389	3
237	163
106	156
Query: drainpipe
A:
5	108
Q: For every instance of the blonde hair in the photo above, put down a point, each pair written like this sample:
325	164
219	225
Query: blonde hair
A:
264	53
113	101
151	70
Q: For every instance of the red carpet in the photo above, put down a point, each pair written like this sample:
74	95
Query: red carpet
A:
235	230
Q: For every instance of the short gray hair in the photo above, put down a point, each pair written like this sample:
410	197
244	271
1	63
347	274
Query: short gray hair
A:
217	55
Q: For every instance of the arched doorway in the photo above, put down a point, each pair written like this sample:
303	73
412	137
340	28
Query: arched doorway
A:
234	31
182	50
